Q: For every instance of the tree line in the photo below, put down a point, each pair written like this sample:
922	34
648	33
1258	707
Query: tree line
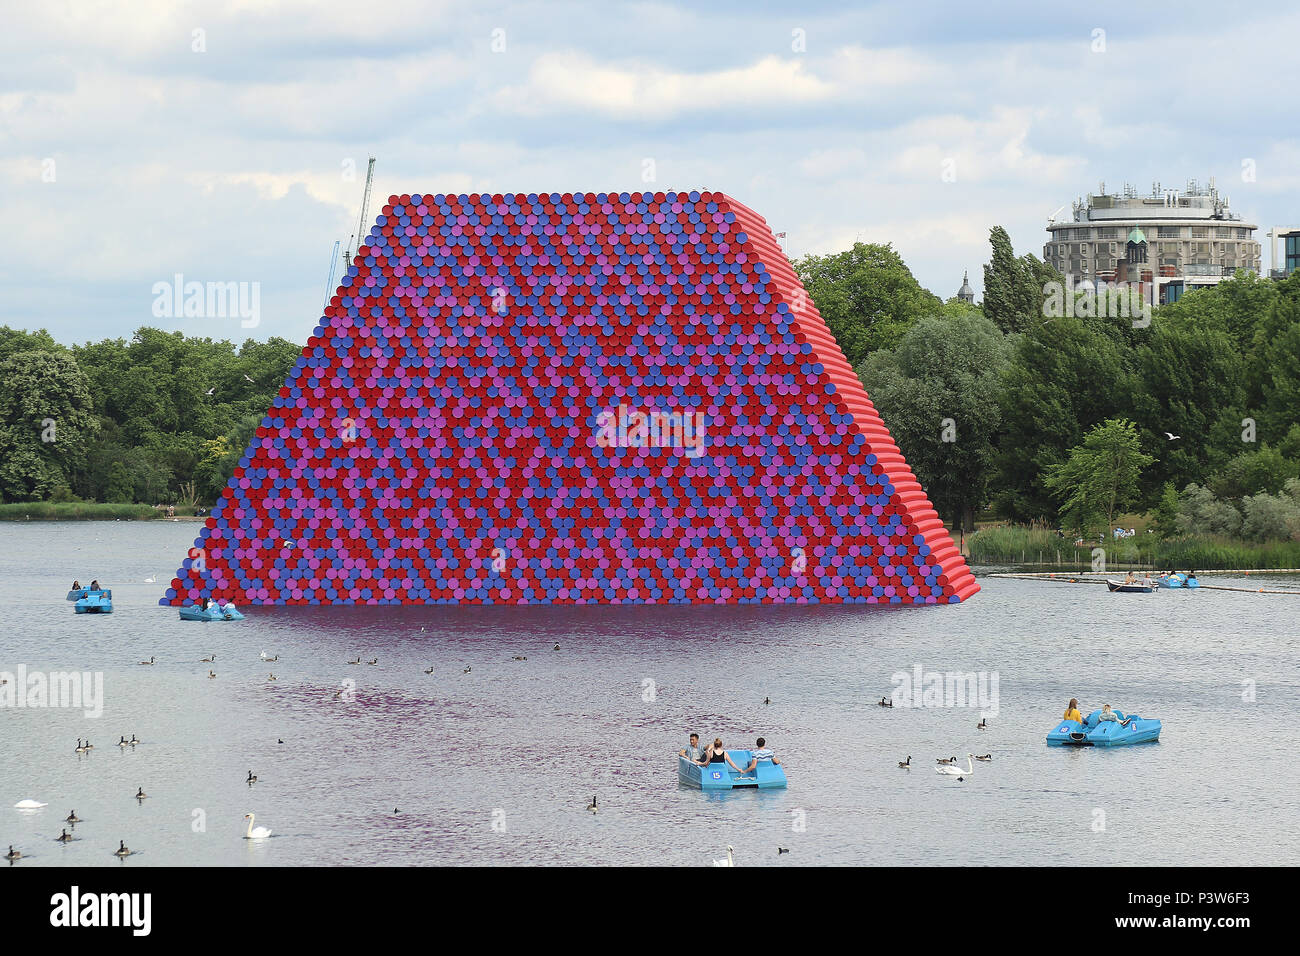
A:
1053	415
162	418
1041	414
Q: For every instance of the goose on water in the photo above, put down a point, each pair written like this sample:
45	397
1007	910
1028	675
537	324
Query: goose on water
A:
72	817
148	662
211	674
986	758
886	703
357	661
121	849
954	771
374	660
140	794
207	660
123	742
64	837
80	749
906	764
982	725
261	833
13	854
592	806
89	745
948	760
428	670
252	778
730	860
134	740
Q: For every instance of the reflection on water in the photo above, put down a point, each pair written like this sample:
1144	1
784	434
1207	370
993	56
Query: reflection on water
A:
490	759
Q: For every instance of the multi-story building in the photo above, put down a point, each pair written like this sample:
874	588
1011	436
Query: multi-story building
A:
1169	242
1289	261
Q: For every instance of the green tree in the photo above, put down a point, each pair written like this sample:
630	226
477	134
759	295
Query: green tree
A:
1264	470
1189	384
937	392
867	296
1100	477
1013	287
46	422
1064	377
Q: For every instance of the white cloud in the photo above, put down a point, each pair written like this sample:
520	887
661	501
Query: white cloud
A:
568	81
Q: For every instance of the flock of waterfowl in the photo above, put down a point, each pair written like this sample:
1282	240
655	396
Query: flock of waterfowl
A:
122	851
947	765
251	832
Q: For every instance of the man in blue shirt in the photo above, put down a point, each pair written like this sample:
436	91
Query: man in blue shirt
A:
761	753
693	752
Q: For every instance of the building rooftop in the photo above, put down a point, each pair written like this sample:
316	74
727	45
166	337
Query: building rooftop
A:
1193	202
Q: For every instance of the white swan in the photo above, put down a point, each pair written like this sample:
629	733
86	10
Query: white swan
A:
261	833
29	805
151	579
952	771
729	861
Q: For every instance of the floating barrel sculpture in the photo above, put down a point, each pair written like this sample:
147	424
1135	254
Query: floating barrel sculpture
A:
570	399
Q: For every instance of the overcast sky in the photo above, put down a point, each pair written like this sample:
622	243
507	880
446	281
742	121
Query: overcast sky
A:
133	148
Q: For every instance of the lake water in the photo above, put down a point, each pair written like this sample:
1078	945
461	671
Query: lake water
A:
497	765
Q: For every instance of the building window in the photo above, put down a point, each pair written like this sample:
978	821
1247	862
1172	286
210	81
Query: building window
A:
1168	232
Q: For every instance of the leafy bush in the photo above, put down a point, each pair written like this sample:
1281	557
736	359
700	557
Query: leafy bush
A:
1199	512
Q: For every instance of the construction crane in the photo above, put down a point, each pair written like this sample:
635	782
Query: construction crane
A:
365	205
329	281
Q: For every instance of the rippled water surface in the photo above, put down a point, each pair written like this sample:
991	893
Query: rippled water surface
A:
494	760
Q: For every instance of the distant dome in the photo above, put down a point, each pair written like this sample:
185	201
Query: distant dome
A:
966	293
1137	236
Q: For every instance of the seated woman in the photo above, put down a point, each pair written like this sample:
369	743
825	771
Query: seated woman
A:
1108	714
76	585
716	754
94	585
1072	711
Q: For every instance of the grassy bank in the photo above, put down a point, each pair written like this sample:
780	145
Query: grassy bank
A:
1017	544
82	511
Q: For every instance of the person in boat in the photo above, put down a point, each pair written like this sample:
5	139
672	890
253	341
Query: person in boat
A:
761	752
207	603
1129	579
693	751
94	585
1072	711
1108	714
76	585
718	754
1191	576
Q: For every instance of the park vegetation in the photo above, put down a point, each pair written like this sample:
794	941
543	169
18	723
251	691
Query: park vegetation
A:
1053	425
1046	423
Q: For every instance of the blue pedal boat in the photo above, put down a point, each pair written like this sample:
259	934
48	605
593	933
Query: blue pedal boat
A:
1094	732
218	612
1178	580
720	776
94	602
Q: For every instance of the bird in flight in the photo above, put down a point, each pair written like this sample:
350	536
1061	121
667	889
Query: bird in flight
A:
1171	436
